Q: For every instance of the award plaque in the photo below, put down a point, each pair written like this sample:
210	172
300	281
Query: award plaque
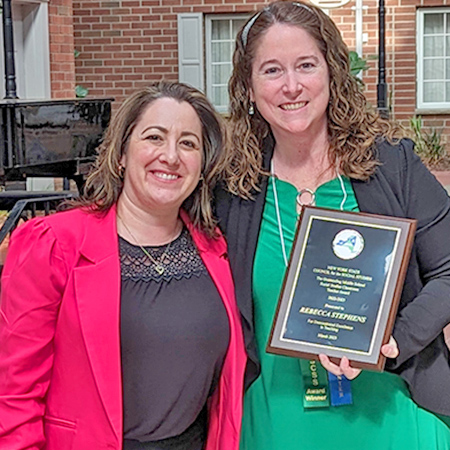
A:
342	287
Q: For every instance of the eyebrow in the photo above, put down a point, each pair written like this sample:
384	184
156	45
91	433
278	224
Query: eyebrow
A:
165	130
300	58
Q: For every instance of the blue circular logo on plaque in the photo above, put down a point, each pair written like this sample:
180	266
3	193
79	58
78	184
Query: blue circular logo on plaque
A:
348	244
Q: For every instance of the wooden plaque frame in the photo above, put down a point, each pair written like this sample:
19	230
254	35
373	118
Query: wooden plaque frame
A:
342	287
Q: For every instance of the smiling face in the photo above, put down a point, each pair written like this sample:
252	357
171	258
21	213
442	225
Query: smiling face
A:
290	82
163	159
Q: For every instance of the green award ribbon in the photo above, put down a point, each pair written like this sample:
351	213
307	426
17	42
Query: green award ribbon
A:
315	382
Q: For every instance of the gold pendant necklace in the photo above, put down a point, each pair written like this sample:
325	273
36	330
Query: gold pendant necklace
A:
157	264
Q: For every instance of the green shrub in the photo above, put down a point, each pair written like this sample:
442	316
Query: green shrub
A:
80	91
429	143
357	64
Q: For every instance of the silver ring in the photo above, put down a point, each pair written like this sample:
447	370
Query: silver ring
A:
311	193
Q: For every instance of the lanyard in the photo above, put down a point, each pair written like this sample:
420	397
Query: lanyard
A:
321	388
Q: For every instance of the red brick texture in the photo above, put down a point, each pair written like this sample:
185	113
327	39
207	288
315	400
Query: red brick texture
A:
400	55
62	64
125	44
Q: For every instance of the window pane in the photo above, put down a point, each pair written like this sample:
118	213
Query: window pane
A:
447	45
220	47
221	51
434	23
433	69
447	69
433	92
221	73
447	89
220	29
237	25
220	96
433	46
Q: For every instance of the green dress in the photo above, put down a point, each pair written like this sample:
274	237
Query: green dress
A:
382	417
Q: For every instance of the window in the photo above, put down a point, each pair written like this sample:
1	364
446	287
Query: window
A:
433	58
220	35
214	59
31	45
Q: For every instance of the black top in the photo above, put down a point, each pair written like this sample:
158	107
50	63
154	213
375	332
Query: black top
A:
174	337
401	186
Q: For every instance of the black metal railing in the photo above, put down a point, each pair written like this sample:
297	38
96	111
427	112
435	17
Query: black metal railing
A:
26	208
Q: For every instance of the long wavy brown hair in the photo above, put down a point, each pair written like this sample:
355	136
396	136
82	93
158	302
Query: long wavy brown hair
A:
353	126
105	182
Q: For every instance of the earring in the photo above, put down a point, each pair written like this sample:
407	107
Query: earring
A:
121	171
251	109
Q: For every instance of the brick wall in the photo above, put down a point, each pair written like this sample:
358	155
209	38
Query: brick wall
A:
400	55
62	65
126	44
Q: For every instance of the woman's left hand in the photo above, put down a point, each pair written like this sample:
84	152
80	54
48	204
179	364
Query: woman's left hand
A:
390	350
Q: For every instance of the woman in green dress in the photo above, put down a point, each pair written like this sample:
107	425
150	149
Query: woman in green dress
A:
303	133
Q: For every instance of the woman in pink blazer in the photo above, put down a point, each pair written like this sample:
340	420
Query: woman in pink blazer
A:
118	322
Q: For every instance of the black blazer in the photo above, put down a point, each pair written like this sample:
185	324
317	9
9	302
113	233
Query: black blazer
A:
401	186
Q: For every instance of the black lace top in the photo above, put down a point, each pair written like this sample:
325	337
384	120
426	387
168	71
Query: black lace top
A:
174	337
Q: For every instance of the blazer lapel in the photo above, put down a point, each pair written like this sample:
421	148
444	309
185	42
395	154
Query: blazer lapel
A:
242	236
97	286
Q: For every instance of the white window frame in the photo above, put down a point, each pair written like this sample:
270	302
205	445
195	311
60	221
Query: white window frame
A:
208	51
420	59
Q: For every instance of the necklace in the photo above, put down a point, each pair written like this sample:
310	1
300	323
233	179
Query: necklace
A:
301	193
157	265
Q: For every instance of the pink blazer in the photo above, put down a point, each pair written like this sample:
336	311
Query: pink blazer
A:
60	373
